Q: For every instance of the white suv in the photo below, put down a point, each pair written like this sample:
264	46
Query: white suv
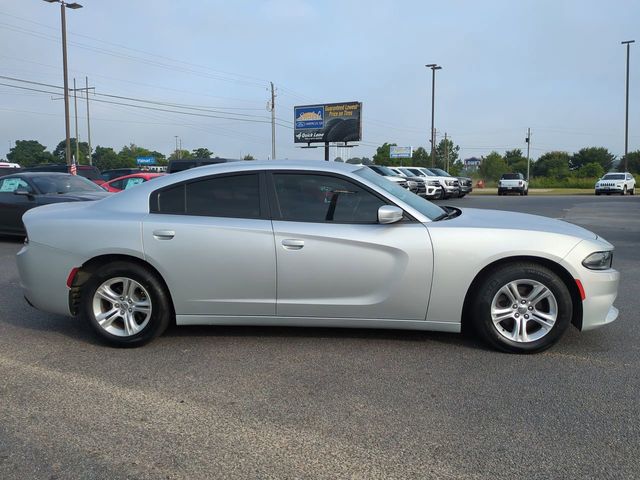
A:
622	183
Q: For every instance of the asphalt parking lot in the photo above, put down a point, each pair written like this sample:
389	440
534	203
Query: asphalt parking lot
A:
222	402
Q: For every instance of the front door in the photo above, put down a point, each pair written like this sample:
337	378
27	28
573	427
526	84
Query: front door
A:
334	260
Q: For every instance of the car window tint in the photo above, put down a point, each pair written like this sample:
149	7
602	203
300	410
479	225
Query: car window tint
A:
117	184
320	198
235	196
132	182
10	185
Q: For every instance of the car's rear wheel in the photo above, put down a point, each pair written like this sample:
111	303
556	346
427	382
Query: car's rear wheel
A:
126	304
522	308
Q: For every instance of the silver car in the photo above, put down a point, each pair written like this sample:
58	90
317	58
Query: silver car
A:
311	244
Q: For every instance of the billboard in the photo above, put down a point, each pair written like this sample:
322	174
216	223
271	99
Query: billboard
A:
400	152
331	122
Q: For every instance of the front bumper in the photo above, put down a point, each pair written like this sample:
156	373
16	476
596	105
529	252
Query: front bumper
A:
451	191
601	290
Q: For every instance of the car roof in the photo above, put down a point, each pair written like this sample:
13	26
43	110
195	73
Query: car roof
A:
36	174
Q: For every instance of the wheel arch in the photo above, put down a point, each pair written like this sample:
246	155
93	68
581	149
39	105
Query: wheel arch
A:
93	264
565	276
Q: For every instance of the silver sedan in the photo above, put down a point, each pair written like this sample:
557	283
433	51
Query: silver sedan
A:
311	244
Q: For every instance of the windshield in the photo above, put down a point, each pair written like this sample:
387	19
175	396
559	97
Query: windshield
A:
613	176
65	184
439	171
510	176
407	172
428	209
383	170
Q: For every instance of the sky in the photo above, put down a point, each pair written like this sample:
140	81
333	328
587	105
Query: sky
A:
556	67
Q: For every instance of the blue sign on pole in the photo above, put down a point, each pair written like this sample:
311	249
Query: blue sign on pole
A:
146	160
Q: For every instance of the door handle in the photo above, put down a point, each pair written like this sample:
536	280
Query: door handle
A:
164	234
292	244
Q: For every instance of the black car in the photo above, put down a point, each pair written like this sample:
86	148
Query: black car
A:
108	175
25	190
187	163
86	171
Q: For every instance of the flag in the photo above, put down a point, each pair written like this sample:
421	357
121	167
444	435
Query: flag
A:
73	170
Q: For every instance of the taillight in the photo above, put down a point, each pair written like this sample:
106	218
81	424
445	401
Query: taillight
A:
72	276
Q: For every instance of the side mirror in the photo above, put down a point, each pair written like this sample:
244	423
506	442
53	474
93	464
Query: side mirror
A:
22	191
389	214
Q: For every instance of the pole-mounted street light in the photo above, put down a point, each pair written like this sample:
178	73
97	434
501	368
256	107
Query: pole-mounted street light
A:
72	6
433	68
626	115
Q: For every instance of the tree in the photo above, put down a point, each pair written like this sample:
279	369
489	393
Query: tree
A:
590	170
420	157
128	154
28	153
202	153
60	152
492	166
633	161
383	155
248	157
593	155
552	164
105	158
359	161
338	159
180	154
456	168
516	161
444	148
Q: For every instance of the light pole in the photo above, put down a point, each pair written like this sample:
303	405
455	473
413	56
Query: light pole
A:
626	114
433	68
72	6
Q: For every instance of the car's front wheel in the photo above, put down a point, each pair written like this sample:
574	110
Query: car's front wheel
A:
126	304
522	308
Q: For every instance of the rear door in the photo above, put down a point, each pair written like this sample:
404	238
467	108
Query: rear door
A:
212	241
334	260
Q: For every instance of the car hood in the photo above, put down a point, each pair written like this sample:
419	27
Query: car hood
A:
74	196
480	218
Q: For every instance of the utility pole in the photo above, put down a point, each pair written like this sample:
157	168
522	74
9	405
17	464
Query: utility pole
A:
88	122
626	114
433	68
63	21
273	122
528	140
446	150
75	108
180	151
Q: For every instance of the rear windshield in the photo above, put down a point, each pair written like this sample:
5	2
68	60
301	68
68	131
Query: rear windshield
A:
65	184
511	176
613	176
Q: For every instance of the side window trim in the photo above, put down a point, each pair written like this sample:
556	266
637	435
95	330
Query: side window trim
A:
154	205
276	211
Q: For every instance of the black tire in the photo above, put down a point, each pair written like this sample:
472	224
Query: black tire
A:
624	190
161	309
461	195
526	192
443	195
632	191
488	289
597	193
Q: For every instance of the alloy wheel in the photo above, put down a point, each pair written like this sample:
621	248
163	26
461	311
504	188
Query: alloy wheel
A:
121	306
524	310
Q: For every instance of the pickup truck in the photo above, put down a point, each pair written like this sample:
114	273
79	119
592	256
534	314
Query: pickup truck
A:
513	183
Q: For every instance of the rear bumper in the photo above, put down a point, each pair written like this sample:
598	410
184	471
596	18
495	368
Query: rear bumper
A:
43	277
511	189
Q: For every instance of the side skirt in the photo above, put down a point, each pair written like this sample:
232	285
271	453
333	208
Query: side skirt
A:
317	322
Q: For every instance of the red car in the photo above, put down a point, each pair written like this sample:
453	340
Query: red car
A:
128	181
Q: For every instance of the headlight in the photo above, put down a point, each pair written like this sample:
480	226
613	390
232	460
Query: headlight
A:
412	184
449	182
599	260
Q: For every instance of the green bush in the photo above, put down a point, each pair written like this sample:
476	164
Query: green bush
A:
569	182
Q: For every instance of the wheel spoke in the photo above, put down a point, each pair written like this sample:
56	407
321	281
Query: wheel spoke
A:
544	320
497	318
107	294
539	293
105	319
130	325
142	306
511	291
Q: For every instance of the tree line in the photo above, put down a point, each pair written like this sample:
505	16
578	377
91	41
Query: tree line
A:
31	152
